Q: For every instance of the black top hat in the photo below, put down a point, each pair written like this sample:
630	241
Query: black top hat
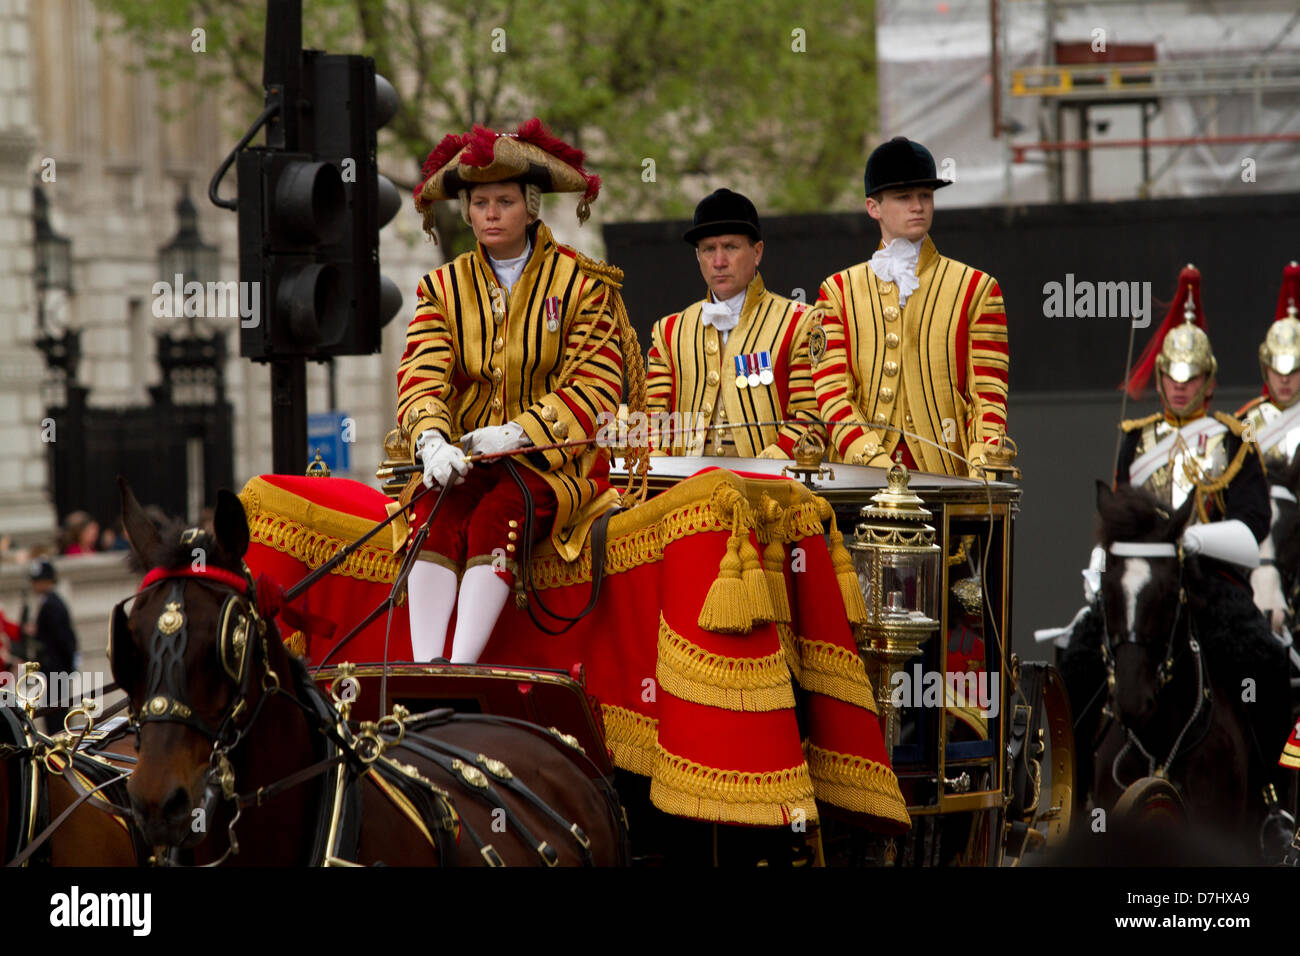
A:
901	163
41	570
722	213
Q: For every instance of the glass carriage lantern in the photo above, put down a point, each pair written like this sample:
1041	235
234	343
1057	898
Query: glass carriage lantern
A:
898	568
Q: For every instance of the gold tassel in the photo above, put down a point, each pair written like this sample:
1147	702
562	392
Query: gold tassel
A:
848	578
726	609
755	581
774	571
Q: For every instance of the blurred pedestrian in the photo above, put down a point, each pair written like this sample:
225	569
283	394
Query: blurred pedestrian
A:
52	638
80	534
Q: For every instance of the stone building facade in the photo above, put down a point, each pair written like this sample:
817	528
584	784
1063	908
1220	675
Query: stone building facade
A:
113	152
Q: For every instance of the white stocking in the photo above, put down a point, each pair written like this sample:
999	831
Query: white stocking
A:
430	596
482	596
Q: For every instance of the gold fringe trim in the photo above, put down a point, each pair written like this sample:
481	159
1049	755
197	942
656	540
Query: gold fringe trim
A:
728	607
789	644
633	738
835	672
689	789
850	589
774	576
313	534
753	684
856	783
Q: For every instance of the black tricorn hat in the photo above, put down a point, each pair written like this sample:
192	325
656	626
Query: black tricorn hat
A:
901	163
723	213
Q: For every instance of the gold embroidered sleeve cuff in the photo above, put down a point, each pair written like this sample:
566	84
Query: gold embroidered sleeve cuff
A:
549	422
424	415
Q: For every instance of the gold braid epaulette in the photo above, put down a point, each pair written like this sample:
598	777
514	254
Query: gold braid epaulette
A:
1132	424
1234	425
612	275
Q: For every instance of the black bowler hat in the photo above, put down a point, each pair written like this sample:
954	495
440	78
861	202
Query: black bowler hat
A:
41	570
901	163
722	213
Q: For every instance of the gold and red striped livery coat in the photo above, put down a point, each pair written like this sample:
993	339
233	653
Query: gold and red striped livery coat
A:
689	372
467	366
942	359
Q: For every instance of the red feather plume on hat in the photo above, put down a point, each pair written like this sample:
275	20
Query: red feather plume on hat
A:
481	143
1290	294
1189	281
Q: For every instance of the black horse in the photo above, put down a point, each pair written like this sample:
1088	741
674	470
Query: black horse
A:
1186	654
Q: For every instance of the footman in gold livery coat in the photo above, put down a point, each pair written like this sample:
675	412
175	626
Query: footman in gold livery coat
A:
911	340
521	343
738	359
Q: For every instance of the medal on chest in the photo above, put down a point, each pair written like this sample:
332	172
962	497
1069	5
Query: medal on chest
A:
742	379
552	305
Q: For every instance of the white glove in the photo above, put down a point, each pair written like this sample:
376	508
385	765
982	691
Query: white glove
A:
495	438
1092	574
440	458
1229	541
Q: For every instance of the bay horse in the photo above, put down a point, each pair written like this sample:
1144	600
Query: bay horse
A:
243	758
1175	704
35	793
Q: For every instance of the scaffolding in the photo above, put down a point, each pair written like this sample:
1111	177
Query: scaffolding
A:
1082	76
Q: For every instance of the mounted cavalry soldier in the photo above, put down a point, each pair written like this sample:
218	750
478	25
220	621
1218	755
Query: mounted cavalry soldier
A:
910	341
1273	420
1189	458
737	360
520	343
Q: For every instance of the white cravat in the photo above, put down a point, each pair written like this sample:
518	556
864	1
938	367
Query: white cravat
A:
897	263
723	316
509	270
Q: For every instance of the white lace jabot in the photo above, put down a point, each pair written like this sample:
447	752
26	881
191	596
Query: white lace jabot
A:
725	315
897	263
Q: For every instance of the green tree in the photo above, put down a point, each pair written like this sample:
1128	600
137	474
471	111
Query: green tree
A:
668	98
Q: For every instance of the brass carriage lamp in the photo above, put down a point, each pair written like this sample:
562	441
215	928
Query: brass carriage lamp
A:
897	562
187	258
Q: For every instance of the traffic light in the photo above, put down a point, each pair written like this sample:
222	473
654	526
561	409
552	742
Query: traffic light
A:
310	214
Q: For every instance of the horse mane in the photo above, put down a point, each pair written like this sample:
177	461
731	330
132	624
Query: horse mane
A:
174	554
1131	514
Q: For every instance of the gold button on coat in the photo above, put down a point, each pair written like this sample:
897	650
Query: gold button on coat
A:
499	344
497	375
886	394
891	369
548	413
560	428
880	419
891	313
886	288
712	378
711	347
891	340
707	408
871	450
496	404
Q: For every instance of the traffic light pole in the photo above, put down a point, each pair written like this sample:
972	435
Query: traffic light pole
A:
289	415
282	79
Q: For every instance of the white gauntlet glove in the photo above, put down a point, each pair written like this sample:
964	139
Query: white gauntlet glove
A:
440	459
495	438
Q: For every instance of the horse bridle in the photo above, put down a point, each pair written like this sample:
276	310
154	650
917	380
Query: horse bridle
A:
1164	671
240	623
1146	549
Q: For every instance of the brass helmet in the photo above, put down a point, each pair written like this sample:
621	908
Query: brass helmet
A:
1186	351
1280	350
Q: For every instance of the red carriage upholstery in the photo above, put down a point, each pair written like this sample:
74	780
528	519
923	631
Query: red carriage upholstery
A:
722	621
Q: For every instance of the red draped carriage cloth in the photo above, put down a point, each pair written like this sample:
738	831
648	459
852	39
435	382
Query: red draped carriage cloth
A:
723	619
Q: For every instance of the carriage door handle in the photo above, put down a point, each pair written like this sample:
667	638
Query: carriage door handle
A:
958	784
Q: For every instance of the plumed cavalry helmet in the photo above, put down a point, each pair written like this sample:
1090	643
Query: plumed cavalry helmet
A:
1186	352
1280	350
1181	347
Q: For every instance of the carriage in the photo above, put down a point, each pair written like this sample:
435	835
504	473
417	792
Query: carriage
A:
979	743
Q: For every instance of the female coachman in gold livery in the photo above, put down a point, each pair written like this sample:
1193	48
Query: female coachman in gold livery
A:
521	343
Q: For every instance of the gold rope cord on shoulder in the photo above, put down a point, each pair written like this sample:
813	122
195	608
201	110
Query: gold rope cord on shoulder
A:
637	462
1211	489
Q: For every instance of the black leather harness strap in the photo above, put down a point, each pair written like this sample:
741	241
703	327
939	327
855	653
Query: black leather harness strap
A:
48	832
599	532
